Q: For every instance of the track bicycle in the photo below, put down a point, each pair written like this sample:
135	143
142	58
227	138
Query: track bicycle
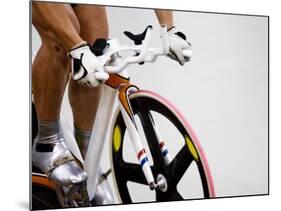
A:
142	121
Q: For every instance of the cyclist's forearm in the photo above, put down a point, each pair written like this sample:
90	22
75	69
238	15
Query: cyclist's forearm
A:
165	17
58	21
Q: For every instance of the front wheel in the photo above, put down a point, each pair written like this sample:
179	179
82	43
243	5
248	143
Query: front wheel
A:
187	173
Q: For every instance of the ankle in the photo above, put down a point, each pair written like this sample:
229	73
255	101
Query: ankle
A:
49	130
83	138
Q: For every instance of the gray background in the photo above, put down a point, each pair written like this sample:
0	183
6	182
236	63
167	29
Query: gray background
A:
222	91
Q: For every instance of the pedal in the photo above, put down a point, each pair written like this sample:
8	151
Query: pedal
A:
104	176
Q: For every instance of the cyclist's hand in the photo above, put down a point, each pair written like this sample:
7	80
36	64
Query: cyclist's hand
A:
85	67
179	47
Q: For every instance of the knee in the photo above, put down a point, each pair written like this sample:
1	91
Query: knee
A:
51	47
92	35
104	32
50	42
55	51
96	26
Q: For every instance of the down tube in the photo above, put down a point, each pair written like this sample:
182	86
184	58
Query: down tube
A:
98	137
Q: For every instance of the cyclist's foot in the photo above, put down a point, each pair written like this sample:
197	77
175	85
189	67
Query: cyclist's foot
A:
52	156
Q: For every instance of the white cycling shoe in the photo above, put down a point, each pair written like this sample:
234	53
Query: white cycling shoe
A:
51	155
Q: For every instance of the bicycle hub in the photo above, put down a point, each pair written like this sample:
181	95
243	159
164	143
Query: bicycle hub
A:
161	184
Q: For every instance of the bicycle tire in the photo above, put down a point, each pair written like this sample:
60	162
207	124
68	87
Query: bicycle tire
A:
44	197
141	102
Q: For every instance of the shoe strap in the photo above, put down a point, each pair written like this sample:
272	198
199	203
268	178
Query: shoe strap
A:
61	159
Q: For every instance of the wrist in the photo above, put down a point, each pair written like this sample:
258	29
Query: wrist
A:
77	49
78	45
70	41
172	30
168	26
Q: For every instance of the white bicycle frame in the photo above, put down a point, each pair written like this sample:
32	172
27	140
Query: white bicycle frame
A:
104	111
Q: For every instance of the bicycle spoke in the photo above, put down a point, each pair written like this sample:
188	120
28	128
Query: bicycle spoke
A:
180	164
133	172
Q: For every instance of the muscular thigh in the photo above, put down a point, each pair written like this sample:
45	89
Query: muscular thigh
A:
45	33
93	22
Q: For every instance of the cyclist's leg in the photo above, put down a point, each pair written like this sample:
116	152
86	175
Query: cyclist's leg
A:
50	70
49	77
84	101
